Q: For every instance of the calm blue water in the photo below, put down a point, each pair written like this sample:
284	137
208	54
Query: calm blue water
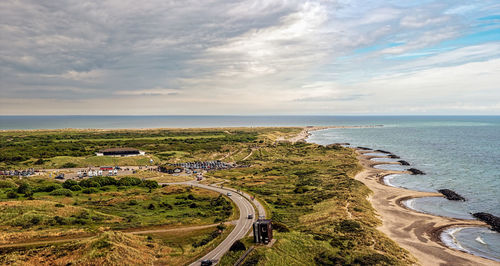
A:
458	153
57	122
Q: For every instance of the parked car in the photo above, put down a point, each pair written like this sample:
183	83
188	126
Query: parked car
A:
229	194
250	216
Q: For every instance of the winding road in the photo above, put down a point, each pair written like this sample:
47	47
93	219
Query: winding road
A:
243	224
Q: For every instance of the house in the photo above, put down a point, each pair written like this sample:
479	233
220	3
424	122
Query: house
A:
170	169
120	152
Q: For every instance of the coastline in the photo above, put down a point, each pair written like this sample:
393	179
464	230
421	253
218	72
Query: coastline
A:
417	232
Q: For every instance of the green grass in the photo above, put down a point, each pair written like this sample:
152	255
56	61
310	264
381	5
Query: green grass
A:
146	138
59	161
112	206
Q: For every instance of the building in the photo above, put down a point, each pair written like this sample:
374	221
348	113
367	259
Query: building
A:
120	152
262	231
170	169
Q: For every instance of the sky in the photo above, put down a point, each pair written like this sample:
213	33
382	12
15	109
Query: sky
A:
249	57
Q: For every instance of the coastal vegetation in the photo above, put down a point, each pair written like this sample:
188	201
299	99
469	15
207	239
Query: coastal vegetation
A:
316	207
318	210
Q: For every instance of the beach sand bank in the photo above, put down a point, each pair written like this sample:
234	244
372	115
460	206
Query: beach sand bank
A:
416	232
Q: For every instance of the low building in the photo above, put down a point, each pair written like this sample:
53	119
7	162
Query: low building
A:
170	169
120	152
262	231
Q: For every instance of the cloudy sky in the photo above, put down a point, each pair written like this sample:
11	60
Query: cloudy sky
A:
249	57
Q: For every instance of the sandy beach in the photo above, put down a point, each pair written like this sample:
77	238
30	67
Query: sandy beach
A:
416	232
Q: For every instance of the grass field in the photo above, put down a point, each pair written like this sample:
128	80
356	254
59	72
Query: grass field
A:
320	213
111	206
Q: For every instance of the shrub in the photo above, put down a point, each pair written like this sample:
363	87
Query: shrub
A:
23	188
48	188
7	184
132	202
12	195
90	190
349	226
238	245
129	181
40	161
193	205
150	184
59	205
104	180
151	206
166	205
69	183
68	165
59	220
374	259
280	227
89	183
62	192
326	258
35	220
75	188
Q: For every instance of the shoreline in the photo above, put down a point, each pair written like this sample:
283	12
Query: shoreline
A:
306	129
417	232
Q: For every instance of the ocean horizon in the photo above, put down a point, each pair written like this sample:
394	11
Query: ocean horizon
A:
30	122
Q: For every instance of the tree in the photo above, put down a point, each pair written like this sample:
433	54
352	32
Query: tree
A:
150	184
69	183
23	188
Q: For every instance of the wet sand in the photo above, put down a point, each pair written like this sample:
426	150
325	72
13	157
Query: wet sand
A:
416	232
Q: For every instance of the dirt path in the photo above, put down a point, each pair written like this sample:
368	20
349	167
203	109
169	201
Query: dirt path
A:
414	231
133	232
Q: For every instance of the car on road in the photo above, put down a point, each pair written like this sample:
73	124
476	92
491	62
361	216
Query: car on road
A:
206	263
229	194
250	216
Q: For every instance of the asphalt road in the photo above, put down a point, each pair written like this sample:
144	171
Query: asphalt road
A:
243	224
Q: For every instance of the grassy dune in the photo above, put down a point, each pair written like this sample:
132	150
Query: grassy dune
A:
320	212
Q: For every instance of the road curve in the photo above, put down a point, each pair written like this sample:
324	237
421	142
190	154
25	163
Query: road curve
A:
243	224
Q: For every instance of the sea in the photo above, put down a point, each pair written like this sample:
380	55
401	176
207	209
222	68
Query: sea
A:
461	153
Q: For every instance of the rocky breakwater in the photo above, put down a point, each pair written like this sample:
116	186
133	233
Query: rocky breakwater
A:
403	162
490	219
451	195
415	171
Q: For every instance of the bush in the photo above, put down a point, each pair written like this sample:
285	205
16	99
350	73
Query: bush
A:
193	205
75	188
374	259
150	184
151	206
89	183
35	220
166	205
349	226
59	220
59	205
132	202
69	183
326	258
238	245
68	165
280	227
129	181
23	188
7	184
62	192
12	195
48	188
90	190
